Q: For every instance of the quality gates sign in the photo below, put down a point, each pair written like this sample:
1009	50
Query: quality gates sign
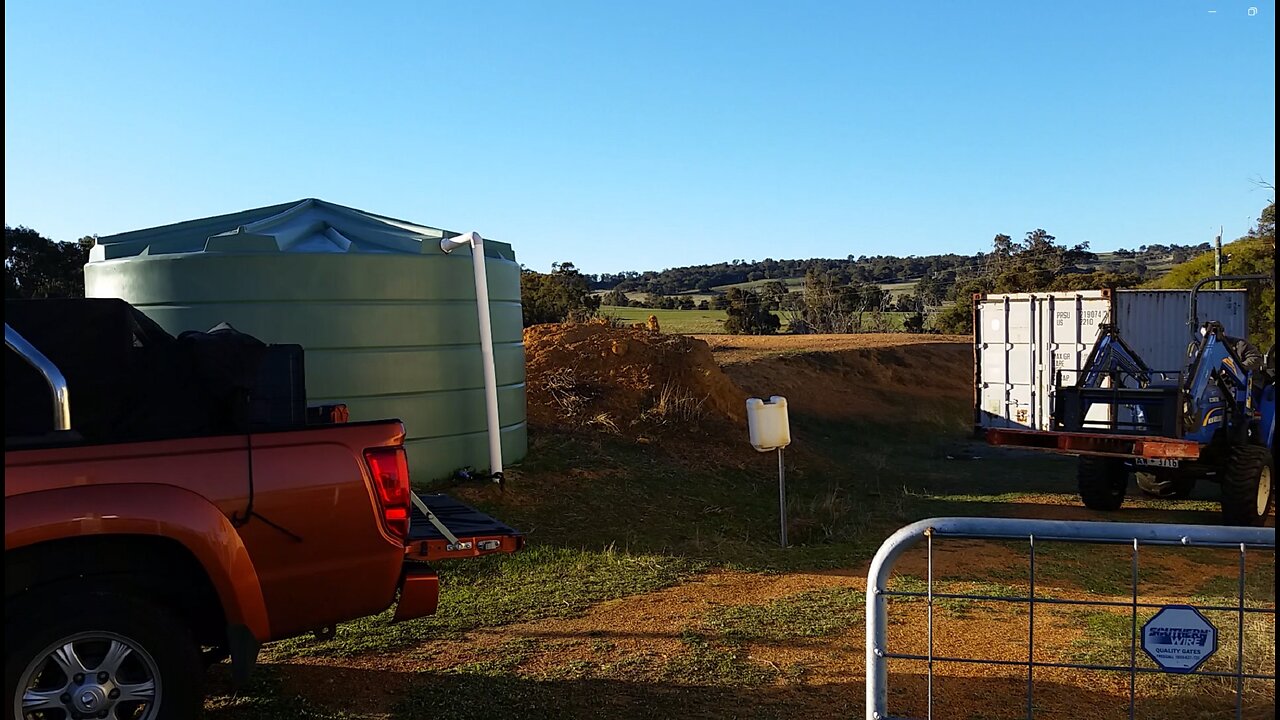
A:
1179	639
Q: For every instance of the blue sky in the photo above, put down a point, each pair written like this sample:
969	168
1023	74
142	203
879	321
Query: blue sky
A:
630	136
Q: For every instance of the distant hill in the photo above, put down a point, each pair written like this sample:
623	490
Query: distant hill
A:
898	274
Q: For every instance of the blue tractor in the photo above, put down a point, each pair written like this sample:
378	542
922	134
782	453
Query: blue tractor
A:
1214	419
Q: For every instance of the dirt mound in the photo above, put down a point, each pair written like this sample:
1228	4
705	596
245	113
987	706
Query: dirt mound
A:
594	374
922	381
733	349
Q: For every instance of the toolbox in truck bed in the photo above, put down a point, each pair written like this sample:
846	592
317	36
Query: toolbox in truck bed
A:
475	532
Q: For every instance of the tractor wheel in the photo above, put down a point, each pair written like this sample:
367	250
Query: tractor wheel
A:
1247	492
1102	482
1165	484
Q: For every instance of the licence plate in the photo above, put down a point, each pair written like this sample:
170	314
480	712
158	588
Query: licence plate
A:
1156	462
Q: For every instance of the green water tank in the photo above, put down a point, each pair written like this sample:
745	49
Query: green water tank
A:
387	319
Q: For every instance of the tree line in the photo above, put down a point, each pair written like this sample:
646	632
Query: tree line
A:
879	269
37	267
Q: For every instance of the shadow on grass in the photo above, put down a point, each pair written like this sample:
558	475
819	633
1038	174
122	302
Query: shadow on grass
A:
319	692
1011	507
713	499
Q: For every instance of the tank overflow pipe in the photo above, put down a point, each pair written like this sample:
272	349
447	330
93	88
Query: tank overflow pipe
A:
476	243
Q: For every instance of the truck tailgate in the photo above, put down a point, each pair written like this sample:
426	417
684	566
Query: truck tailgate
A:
476	533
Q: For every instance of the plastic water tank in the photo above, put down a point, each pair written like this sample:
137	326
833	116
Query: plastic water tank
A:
387	319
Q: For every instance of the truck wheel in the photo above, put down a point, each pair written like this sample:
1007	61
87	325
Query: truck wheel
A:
1247	492
1171	485
1102	482
87	654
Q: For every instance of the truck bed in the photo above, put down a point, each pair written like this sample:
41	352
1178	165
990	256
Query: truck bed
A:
477	533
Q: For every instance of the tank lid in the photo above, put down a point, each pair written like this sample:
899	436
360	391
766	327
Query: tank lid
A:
305	226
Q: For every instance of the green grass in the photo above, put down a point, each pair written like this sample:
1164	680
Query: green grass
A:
711	322
710	663
906	287
721	512
1136	501
687	322
476	697
1099	570
1108	637
1224	590
1096	569
961	607
717	652
706	678
541	581
808	614
479	697
266	699
1108	640
792	284
506	658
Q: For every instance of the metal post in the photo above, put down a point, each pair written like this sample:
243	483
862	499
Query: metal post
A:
1031	626
928	536
1217	258
1133	634
1240	643
782	500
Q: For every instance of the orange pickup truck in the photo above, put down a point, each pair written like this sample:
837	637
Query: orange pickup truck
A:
135	558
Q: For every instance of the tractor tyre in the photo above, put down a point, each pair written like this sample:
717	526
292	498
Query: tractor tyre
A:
1247	490
1102	482
1165	484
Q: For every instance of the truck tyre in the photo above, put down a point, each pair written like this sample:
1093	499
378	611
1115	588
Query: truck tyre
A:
1102	482
1165	484
84	653
1247	489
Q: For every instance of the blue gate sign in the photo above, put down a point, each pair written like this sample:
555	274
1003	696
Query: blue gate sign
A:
1179	639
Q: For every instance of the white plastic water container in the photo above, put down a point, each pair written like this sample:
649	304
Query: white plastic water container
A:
767	423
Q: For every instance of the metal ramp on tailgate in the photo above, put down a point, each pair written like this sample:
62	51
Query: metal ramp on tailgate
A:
441	527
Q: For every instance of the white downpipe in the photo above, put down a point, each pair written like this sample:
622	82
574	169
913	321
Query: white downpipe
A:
476	243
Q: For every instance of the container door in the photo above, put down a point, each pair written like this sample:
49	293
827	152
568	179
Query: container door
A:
1006	356
1228	307
1070	323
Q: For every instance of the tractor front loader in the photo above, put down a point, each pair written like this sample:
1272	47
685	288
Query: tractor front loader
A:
1212	420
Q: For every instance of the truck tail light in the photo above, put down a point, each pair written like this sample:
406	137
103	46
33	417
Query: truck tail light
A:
390	471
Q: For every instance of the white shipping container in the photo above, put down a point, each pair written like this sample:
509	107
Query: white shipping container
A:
1022	340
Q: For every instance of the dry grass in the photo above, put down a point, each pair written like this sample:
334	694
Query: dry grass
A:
675	404
562	385
605	421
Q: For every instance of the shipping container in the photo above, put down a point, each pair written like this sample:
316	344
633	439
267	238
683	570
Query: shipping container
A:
1022	341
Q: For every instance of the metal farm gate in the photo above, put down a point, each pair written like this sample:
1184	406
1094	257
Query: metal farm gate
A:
1176	639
